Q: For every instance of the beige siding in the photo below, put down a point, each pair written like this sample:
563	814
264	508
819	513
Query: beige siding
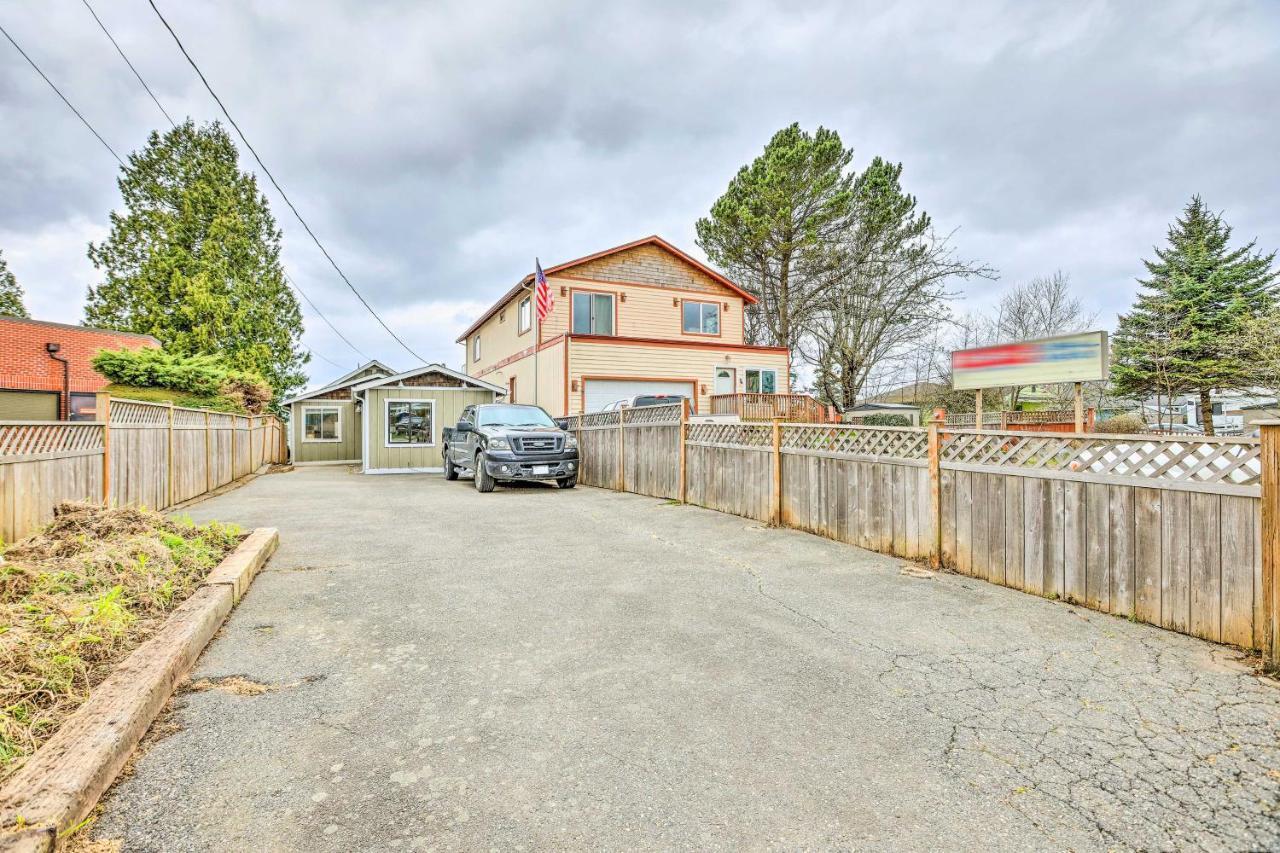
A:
500	339
646	312
623	361
449	403
346	450
551	383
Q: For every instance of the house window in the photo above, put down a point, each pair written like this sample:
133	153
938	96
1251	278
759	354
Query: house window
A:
475	348
592	313
83	407
701	318
761	381
525	315
321	423
410	423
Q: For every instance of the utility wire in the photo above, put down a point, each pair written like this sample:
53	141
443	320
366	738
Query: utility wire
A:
174	124
276	184
71	107
120	51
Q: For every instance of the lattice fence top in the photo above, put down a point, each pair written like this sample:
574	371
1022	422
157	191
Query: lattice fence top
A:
135	413
652	415
894	442
188	417
1187	459
732	435
27	439
596	420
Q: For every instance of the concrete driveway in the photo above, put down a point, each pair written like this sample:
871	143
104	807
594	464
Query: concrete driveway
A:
536	669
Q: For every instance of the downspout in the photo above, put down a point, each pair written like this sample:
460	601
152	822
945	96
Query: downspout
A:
64	410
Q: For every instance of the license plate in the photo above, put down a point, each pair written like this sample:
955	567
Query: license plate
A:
539	470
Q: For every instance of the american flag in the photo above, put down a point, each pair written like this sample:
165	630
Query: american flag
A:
541	292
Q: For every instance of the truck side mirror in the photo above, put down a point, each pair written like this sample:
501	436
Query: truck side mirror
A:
563	423
462	427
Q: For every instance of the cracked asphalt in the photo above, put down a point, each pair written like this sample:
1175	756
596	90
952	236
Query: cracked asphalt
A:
536	669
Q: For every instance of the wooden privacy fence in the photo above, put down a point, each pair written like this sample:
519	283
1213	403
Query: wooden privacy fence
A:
150	454
1166	530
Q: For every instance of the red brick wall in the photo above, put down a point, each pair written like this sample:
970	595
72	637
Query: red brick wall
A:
25	365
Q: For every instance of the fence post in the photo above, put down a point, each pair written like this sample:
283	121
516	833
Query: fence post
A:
168	464
935	486
621	478
1270	460
208	456
682	435
102	411
775	492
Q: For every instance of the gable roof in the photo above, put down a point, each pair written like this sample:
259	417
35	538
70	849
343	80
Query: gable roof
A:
651	240
338	383
429	368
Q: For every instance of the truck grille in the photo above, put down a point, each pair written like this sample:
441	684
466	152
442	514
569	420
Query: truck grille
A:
538	444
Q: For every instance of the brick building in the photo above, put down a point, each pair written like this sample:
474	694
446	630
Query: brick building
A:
46	370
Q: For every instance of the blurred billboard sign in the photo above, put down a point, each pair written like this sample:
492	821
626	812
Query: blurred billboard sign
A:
1082	357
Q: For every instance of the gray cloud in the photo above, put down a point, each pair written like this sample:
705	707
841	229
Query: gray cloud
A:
438	148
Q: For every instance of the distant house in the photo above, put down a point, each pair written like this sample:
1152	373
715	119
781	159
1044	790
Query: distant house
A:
386	422
46	370
642	318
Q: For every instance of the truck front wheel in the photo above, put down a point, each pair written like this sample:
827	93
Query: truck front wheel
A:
484	480
450	472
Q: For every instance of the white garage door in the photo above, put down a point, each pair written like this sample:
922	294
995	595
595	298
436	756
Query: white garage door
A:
602	392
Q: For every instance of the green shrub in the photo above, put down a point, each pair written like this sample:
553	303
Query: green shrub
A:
203	378
884	420
1121	425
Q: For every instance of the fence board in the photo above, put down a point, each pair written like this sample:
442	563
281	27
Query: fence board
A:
1175	562
1120	549
1206	566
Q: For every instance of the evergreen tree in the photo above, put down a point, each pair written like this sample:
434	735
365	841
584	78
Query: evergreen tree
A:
10	292
194	259
776	228
1183	333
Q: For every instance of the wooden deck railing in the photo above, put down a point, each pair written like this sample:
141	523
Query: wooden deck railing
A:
796	408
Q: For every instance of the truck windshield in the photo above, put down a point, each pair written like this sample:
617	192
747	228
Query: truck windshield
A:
513	416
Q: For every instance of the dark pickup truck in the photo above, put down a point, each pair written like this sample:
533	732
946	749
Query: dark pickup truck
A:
504	441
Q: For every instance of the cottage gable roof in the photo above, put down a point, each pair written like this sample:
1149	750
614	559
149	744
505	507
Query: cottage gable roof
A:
409	375
369	368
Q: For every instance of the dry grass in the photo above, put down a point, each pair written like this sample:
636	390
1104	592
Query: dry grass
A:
76	598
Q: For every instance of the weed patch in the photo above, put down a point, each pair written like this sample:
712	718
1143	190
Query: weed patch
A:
80	595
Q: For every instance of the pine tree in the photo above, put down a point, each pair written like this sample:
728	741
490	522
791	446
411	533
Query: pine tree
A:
1183	333
10	292
194	259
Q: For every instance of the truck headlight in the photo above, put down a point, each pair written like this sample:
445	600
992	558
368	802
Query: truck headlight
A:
499	444
571	442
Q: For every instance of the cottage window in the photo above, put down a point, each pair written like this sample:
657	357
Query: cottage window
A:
410	423
701	318
761	381
592	313
321	423
525	315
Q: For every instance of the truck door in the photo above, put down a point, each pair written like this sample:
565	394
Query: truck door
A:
465	448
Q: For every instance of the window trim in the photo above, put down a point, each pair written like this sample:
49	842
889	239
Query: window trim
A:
719	317
522	329
475	348
386	425
613	296
308	409
746	379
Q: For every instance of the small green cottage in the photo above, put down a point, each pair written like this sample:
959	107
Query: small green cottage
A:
387	422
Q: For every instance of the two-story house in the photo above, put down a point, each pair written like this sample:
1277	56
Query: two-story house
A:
643	318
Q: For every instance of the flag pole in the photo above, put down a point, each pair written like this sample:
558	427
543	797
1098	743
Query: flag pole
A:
537	331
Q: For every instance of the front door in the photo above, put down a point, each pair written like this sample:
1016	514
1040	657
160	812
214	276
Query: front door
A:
725	380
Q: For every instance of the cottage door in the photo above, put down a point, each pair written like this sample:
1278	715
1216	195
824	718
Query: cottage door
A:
724	380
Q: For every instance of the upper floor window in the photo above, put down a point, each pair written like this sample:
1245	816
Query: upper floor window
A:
701	318
475	348
592	313
525	315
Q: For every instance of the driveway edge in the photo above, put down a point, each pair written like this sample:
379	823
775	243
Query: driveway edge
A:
62	782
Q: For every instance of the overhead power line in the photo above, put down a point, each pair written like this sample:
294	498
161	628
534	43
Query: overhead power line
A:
280	189
120	51
173	123
70	106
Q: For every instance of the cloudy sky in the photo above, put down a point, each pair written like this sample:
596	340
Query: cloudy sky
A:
436	148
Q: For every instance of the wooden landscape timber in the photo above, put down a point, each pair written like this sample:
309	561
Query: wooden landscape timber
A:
151	454
1177	531
58	787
